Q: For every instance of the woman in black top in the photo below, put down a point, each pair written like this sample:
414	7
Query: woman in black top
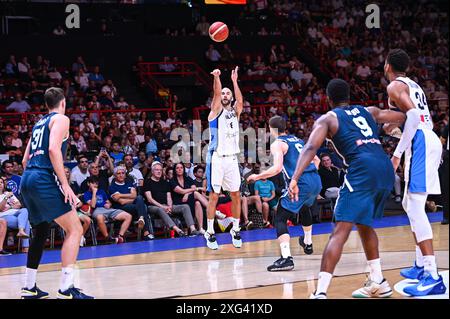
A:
184	191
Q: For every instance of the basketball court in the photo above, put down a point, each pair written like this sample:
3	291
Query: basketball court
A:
185	268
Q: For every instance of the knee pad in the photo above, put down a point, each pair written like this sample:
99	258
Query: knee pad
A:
420	225
280	221
305	216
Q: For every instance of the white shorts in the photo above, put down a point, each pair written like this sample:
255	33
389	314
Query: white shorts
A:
422	162
222	172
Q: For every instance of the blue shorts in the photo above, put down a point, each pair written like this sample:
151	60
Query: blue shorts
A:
360	207
42	196
309	185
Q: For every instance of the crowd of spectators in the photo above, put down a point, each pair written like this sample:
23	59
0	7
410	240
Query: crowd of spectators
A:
124	171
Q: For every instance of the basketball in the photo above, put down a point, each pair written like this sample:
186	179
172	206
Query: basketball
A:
218	31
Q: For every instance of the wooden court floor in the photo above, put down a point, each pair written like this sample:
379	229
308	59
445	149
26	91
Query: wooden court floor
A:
230	272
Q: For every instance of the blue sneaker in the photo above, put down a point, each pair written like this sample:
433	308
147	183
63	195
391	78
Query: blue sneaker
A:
72	293
413	272
426	286
33	293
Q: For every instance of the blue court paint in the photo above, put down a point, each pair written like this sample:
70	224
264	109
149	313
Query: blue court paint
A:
54	256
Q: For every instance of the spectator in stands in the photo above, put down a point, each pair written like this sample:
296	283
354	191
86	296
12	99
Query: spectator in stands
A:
77	142
116	153
265	189
16	217
212	55
3	230
96	76
109	87
23	66
330	176
79	65
11	67
10	149
158	194
100	172
19	105
296	74
151	147
184	191
202	27
124	196
82	80
103	211
133	172
270	85
12	180
59	31
80	172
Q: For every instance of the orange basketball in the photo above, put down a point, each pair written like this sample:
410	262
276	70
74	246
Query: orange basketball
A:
218	31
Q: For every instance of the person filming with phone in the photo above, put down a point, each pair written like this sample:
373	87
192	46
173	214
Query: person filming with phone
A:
102	167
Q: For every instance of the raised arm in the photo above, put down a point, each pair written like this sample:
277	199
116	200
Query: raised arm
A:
387	116
237	92
318	135
399	94
216	105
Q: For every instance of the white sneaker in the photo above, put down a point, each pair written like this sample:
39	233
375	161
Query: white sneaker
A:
236	238
220	215
322	295
373	290
82	241
211	241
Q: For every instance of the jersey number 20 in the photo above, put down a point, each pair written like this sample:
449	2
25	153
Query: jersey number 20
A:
362	124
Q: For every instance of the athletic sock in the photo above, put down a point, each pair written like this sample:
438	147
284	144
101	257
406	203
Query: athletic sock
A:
236	224
30	278
323	282
308	237
375	270
66	278
210	226
285	250
419	257
429	263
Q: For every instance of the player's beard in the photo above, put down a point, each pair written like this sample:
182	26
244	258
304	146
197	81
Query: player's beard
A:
227	103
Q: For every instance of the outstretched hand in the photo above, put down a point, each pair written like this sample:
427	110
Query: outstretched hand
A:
234	74
216	72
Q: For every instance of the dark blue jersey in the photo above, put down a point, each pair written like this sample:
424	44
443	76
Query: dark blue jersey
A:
295	146
309	182
357	142
40	142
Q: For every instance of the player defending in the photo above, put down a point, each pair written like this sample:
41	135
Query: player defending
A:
286	149
368	182
48	197
222	167
422	150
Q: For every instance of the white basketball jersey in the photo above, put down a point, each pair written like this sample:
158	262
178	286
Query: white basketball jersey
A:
419	99
224	133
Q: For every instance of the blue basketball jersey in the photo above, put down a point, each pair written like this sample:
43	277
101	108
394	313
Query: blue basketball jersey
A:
357	142
309	182
295	146
40	142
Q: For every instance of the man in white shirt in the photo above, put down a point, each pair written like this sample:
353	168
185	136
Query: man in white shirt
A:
212	54
19	105
270	86
16	140
80	172
132	171
296	74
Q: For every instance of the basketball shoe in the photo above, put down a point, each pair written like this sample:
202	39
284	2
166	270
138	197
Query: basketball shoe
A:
72	293
211	241
308	249
321	295
33	293
414	272
426	286
236	238
282	264
372	289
